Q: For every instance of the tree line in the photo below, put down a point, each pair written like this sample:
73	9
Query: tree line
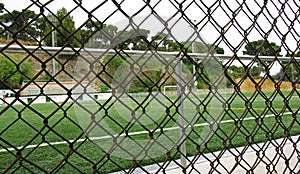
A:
58	29
28	26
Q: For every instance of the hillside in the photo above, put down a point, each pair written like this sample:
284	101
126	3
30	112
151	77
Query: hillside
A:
248	85
70	68
29	43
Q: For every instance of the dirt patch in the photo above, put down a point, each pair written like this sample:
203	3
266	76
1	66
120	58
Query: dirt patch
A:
248	85
9	41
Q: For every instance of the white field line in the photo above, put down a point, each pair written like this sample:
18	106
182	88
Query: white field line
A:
122	135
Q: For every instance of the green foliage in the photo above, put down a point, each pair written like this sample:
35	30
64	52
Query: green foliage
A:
95	36
163	42
133	39
145	81
291	69
295	55
208	70
8	74
255	71
235	71
200	47
219	50
1	7
289	72
107	70
262	48
47	77
150	77
239	71
16	20
202	77
113	62
63	26
14	72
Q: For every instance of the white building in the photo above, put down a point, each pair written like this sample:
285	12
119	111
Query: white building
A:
46	92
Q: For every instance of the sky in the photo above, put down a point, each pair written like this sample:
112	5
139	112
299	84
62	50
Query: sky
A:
209	29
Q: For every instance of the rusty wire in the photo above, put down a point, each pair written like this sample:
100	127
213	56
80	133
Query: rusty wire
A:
121	134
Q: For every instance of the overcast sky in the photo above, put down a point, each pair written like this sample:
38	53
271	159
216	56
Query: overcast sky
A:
210	32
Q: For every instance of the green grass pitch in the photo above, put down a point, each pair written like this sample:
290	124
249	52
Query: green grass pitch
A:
49	133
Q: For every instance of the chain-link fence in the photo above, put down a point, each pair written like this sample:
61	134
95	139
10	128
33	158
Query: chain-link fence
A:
149	86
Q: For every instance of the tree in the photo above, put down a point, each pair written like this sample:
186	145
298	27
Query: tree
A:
99	35
137	38
219	50
94	34
109	34
255	71
40	26
108	69
200	47
208	70
1	7
235	71
290	71
295	55
132	39
16	20
7	74
262	48
163	42
10	75
64	27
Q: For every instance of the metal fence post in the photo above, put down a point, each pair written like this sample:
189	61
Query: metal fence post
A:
180	91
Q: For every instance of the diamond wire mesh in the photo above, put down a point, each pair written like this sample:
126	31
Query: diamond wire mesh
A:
104	108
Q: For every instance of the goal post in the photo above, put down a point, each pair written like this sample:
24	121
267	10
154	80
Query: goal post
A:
169	86
172	86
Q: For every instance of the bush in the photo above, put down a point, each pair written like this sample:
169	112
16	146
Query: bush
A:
14	70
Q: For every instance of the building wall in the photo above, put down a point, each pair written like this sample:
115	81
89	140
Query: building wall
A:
54	98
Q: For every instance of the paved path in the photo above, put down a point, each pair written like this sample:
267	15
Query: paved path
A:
259	157
262	158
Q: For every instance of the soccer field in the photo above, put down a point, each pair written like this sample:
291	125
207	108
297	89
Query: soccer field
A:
38	137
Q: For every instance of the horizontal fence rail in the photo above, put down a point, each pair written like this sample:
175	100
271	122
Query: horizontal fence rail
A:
100	52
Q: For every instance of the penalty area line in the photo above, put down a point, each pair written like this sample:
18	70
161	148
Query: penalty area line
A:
123	135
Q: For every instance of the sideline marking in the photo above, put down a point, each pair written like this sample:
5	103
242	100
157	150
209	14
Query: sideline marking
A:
122	135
